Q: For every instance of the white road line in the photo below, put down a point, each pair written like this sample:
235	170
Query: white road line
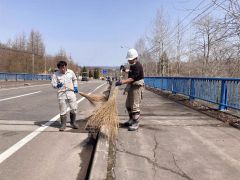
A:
14	97
6	89
10	151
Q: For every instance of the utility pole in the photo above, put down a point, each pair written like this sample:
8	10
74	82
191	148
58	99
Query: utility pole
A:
165	69
159	64
45	64
161	60
33	63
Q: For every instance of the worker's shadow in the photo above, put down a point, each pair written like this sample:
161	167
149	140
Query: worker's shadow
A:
87	149
81	126
123	125
55	124
123	120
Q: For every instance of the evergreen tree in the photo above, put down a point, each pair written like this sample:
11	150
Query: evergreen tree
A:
84	69
96	73
90	73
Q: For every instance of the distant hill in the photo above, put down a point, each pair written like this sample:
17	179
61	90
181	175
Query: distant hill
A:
101	67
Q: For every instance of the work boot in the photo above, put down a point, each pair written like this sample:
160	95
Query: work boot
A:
63	119
73	120
130	121
134	126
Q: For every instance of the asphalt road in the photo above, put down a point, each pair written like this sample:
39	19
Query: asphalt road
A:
33	148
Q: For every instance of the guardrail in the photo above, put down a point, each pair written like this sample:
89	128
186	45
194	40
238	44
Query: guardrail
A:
22	77
222	91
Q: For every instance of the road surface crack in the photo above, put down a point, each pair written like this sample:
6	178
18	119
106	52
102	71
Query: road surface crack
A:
155	155
155	164
183	173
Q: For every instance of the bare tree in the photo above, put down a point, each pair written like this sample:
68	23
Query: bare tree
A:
208	36
25	55
178	49
149	65
213	51
159	39
35	43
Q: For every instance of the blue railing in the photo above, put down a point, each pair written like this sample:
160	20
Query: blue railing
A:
222	91
23	77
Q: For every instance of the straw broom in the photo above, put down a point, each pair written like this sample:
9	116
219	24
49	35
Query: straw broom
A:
105	117
90	97
93	97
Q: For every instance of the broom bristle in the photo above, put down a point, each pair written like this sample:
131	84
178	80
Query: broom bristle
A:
105	117
94	98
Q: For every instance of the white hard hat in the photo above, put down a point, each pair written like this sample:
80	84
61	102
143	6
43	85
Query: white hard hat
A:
132	54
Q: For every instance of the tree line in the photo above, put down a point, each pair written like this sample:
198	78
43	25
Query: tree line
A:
209	45
28	55
91	72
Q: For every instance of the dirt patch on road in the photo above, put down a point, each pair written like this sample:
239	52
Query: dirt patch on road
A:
228	117
9	84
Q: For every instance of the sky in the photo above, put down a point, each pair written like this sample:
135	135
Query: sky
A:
93	32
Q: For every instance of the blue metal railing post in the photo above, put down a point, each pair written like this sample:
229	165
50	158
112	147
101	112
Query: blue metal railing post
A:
154	79
223	96
155	82
174	86
192	89
214	90
23	76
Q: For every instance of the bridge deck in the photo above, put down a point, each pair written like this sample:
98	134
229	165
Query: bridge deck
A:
175	142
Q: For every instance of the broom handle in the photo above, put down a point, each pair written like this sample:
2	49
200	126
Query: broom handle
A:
66	89
82	94
70	89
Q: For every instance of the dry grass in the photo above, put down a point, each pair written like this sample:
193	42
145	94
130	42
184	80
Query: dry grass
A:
94	98
106	117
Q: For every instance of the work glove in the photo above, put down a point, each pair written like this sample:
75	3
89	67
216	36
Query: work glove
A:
75	89
59	85
118	83
122	68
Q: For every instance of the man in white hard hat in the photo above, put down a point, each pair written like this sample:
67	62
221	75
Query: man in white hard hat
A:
65	81
135	83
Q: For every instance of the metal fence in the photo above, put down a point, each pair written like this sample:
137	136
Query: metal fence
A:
22	77
221	91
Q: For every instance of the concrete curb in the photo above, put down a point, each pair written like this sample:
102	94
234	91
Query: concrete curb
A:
100	160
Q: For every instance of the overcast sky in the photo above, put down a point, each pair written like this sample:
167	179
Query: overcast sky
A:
92	31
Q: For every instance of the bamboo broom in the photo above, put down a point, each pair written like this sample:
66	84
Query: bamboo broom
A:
90	97
105	117
93	97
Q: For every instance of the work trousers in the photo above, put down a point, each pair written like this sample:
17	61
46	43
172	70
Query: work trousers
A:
134	98
64	103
